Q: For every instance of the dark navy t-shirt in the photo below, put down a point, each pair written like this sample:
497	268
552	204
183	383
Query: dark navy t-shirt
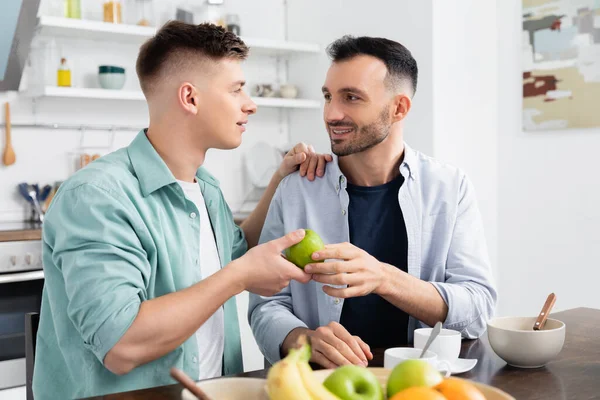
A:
377	226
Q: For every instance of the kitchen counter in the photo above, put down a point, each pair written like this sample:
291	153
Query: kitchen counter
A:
17	231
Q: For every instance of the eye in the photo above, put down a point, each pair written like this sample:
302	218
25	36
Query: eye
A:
351	97
239	90
327	96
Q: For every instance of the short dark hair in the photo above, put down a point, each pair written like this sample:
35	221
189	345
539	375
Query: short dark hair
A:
178	42
400	64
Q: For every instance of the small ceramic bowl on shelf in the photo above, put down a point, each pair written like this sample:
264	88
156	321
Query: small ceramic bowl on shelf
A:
111	77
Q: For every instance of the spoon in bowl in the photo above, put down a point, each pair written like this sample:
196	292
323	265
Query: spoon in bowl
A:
541	319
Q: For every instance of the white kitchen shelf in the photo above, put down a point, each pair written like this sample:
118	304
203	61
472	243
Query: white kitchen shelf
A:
105	94
94	30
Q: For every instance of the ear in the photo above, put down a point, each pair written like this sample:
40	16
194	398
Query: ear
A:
188	97
402	104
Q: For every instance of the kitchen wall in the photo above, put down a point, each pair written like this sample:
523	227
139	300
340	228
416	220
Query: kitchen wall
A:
548	196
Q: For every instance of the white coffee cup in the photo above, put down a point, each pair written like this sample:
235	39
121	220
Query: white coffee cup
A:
395	355
446	345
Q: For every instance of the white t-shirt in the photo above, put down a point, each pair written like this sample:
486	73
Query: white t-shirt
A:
211	335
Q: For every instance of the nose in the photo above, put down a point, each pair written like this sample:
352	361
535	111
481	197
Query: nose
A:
332	112
250	107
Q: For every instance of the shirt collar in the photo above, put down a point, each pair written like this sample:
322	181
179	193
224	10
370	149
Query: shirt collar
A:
339	181
151	170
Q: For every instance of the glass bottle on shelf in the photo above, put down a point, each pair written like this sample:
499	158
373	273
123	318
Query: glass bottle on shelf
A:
72	9
63	74
141	12
113	12
211	11
233	23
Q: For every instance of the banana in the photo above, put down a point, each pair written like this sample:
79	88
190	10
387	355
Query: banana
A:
315	388
293	379
284	381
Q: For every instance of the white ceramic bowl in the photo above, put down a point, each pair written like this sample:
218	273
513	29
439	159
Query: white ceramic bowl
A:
515	341
114	81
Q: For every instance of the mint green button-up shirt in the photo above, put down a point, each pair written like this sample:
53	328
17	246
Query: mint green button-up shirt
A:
120	232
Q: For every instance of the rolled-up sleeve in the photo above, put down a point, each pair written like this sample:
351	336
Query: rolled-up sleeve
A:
272	318
92	234
468	290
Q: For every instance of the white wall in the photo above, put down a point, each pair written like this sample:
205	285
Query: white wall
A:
548	197
465	99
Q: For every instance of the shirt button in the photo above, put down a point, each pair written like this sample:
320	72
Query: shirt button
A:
343	179
343	212
192	215
337	187
194	359
337	301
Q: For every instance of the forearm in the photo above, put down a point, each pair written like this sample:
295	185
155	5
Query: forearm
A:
417	298
291	340
253	225
164	323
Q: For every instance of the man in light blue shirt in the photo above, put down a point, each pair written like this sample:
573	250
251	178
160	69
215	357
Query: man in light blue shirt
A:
416	259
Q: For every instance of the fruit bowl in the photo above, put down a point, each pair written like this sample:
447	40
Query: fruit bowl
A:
231	389
254	388
382	374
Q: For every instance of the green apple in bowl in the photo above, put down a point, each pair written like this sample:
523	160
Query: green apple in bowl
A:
411	373
301	253
351	382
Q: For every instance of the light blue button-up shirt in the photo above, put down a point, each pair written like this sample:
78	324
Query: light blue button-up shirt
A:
446	246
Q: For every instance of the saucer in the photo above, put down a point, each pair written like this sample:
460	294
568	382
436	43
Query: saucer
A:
462	365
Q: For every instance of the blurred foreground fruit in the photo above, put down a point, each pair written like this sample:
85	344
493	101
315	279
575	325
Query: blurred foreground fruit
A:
352	382
412	373
293	379
457	389
418	393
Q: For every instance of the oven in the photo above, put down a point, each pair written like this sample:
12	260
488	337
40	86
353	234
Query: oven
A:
21	285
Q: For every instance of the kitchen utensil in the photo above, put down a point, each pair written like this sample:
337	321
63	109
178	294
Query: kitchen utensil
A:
446	346
33	193
9	156
516	343
434	333
24	191
44	193
541	319
188	383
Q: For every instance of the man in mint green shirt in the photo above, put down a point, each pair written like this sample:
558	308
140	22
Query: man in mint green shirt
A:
126	290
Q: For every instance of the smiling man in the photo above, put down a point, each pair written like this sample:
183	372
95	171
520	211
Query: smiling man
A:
142	258
410	246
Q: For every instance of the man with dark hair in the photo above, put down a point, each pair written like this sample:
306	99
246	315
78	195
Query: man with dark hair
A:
406	244
142	258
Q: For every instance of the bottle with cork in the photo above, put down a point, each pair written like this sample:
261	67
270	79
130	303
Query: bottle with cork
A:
64	74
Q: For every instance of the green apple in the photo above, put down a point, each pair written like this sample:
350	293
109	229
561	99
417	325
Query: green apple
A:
301	253
411	373
352	382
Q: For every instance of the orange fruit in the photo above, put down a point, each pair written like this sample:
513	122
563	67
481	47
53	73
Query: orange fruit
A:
458	389
418	393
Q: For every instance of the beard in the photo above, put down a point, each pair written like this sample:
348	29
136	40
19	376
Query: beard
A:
364	137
